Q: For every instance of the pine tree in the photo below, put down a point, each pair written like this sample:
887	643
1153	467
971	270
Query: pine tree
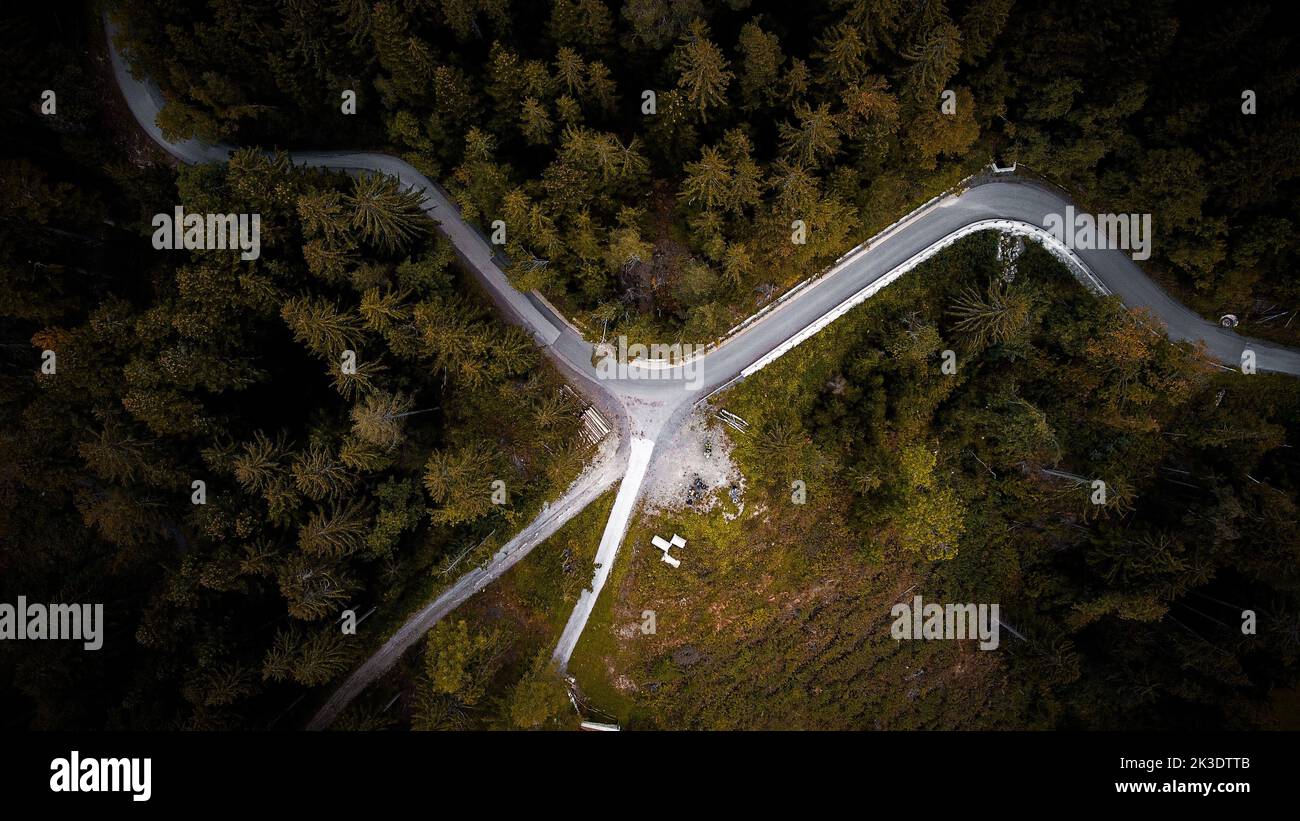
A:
318	475
259	463
869	110
552	411
702	73
707	180
932	133
760	61
312	587
408	60
114	454
539	697
514	352
323	656
358	380
601	88
460	665
325	330
377	418
736	264
385	215
571	71
842	54
459	483
382	310
934	59
322	214
584	23
277	664
993	318
340	531
797	190
815	139
878	21
535	122
980	26
656	22
363	456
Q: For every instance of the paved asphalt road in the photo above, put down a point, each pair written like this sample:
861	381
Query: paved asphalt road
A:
645	408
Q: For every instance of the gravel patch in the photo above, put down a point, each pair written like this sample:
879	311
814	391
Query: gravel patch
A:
684	475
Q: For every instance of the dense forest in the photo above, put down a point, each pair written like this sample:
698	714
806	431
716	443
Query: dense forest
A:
976	486
325	487
649	160
831	113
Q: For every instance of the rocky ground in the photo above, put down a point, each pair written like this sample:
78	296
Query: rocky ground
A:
684	474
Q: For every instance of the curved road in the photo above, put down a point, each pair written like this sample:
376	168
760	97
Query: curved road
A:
648	399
